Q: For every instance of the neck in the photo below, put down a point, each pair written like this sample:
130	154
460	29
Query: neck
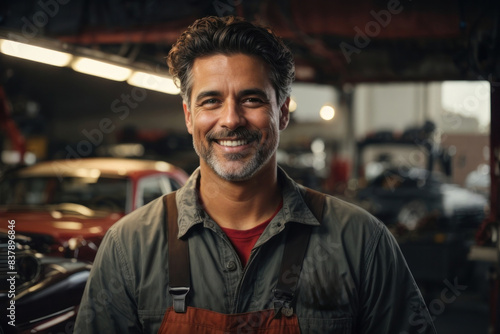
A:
240	205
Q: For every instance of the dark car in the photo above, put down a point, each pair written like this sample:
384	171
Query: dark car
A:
405	184
410	199
434	221
66	206
38	293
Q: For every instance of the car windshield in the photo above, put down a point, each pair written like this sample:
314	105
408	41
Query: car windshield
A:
102	193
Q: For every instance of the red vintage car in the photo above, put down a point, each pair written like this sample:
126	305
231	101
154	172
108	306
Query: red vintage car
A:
66	206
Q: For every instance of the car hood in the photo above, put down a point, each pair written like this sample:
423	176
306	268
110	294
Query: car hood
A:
456	199
60	226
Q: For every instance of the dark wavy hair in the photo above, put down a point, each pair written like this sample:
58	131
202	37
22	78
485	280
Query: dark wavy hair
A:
229	35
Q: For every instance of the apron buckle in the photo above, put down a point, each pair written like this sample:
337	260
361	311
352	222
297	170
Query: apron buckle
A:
179	297
282	303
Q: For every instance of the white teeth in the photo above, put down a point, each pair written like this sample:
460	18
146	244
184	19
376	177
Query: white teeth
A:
232	142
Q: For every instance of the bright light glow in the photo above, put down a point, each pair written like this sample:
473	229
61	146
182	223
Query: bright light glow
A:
293	105
318	146
162	166
11	157
53	321
127	150
68	225
29	158
470	99
95	229
35	53
153	82
101	69
327	112
93	173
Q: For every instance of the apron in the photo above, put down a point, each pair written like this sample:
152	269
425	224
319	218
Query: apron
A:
183	319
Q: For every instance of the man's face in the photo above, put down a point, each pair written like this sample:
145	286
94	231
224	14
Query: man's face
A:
234	118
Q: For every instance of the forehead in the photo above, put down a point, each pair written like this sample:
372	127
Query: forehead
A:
229	71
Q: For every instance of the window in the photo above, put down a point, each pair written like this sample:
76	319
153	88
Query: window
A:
152	187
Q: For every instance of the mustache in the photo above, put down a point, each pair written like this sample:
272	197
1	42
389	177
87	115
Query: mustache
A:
242	133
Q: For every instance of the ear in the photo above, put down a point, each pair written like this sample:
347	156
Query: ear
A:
187	118
285	114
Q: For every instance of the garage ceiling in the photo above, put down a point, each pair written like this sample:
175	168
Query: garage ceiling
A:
334	41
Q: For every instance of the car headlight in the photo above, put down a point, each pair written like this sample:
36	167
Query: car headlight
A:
28	267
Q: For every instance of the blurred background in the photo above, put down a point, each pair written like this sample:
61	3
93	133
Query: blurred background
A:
395	108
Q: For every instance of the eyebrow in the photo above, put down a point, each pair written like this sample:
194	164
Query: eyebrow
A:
207	93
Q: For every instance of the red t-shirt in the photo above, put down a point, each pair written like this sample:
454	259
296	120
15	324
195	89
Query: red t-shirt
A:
244	240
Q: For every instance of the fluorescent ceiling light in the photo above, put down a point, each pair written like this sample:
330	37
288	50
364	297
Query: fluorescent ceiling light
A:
101	69
153	82
35	53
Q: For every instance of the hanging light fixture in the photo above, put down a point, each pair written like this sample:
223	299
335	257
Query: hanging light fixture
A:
35	53
101	69
91	62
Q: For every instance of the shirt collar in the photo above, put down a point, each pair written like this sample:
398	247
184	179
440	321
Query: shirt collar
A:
191	212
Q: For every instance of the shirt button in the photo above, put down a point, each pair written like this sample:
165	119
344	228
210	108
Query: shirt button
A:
210	224
231	266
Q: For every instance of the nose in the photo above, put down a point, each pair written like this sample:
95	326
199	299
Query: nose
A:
232	116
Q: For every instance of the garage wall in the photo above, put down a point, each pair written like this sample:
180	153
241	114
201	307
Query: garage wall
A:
396	106
393	107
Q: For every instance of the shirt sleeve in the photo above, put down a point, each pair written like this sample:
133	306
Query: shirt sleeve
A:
108	304
391	300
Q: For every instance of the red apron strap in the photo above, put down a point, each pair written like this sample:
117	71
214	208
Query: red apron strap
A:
293	255
178	257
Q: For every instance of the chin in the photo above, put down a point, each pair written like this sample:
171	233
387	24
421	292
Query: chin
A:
243	172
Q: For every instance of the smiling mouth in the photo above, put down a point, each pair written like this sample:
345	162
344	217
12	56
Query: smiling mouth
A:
233	143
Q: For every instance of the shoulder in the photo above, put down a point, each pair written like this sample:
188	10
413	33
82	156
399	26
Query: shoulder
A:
358	229
339	217
350	215
345	217
351	228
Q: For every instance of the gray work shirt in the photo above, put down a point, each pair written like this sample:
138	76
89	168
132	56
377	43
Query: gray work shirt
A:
354	278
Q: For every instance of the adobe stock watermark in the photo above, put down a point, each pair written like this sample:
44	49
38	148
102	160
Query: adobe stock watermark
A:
437	306
470	105
362	39
94	137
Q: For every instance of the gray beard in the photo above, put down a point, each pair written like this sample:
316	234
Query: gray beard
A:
243	172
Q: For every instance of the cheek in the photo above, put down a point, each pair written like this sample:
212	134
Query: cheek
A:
270	124
203	123
269	132
263	120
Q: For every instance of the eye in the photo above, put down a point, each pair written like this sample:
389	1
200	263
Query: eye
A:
211	102
253	102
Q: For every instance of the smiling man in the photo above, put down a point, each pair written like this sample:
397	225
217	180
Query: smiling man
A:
242	248
239	120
